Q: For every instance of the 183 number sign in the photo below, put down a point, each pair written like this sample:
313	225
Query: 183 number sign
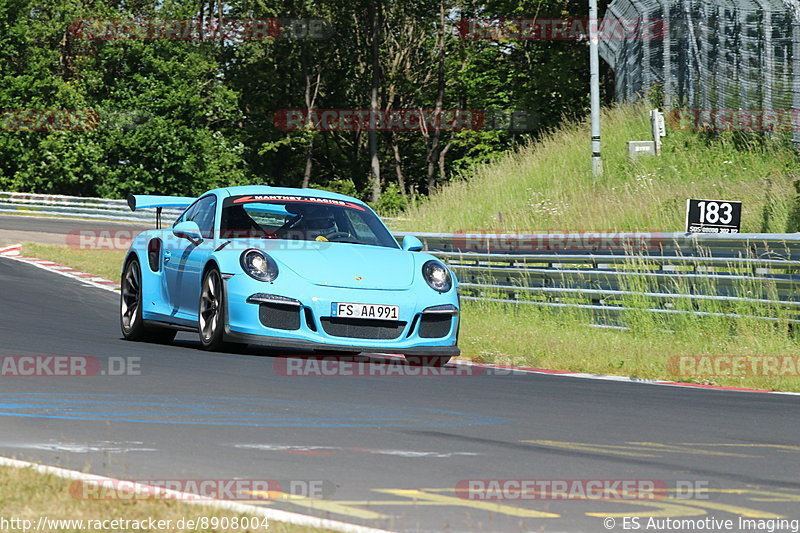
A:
713	216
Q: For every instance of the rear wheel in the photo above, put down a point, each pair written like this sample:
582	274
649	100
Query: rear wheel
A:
428	360
211	315
130	309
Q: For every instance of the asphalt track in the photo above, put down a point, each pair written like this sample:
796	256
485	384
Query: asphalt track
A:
51	230
383	451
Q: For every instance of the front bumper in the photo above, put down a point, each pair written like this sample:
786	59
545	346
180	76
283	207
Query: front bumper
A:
297	344
311	328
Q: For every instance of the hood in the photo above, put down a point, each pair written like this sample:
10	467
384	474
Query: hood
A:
341	264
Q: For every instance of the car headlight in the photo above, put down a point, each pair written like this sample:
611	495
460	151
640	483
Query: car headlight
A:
437	276
259	265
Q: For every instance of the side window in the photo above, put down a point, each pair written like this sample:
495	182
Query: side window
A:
203	213
186	214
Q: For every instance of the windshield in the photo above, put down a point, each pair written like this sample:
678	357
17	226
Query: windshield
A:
303	218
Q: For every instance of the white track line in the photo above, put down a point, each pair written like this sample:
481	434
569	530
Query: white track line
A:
194	499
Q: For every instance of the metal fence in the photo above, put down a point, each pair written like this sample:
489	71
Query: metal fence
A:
608	275
76	207
755	274
56	205
713	57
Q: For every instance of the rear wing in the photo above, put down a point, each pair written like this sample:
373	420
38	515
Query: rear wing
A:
144	201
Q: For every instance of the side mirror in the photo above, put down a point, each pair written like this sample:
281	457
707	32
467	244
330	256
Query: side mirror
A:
412	244
188	230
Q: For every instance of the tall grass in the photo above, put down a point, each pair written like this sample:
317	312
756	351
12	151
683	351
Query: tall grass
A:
547	185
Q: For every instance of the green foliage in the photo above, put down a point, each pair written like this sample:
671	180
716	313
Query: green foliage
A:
793	223
655	95
165	116
181	116
341	186
391	201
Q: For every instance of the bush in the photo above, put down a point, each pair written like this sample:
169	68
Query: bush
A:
346	187
391	201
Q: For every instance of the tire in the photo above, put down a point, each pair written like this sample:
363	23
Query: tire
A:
428	360
130	309
211	315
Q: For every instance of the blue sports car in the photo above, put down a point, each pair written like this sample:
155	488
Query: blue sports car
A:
286	268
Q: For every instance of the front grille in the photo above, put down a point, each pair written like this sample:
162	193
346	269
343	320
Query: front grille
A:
279	316
357	328
434	325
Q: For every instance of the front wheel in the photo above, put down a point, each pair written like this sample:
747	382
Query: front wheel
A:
130	309
211	315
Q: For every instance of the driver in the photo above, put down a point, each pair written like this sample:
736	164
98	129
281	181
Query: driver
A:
317	222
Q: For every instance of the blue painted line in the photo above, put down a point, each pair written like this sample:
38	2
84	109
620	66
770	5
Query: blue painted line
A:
230	411
265	424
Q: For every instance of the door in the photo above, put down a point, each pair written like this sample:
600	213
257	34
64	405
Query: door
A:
184	260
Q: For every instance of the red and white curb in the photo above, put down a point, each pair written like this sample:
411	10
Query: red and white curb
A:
15	252
14	249
194	499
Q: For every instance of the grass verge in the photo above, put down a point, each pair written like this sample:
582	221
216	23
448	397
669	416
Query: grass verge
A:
28	495
528	335
520	334
103	263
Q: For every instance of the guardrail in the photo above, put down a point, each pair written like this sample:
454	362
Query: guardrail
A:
22	203
755	275
76	207
748	274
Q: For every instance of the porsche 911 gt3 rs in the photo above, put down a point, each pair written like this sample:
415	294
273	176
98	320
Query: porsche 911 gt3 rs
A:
286	268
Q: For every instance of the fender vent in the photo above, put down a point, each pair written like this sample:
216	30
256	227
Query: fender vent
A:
154	254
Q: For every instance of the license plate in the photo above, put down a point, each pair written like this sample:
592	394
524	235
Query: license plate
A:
352	310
